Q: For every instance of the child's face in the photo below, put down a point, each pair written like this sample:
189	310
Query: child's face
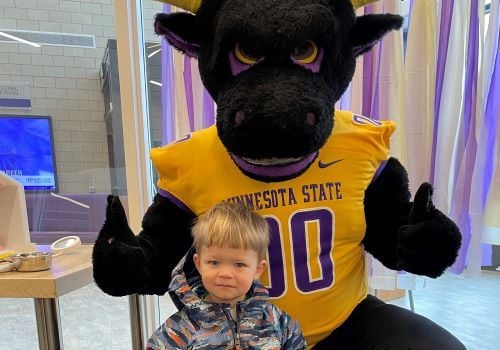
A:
228	273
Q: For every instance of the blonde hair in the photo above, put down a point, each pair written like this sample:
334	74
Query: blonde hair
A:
232	225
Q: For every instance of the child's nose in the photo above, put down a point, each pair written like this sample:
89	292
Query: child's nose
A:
225	272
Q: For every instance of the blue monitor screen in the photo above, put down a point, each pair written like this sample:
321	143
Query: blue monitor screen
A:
27	151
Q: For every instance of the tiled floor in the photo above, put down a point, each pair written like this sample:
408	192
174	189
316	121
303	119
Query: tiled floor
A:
469	308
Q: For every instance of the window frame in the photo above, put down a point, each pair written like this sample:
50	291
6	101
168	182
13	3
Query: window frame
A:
144	310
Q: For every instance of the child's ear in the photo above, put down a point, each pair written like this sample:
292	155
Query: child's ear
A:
260	268
196	260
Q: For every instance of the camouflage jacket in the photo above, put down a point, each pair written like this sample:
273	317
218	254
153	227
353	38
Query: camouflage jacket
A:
204	325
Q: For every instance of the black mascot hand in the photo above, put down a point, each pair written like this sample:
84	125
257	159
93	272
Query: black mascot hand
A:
116	225
117	256
430	242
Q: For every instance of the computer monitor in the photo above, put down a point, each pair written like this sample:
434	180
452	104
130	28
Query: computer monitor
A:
27	151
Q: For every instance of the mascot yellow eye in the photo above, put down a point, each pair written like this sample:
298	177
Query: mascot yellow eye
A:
305	53
246	55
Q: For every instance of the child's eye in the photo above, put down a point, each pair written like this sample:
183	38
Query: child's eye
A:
240	264
213	262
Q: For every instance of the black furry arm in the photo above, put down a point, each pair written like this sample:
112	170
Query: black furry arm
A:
387	205
415	237
125	264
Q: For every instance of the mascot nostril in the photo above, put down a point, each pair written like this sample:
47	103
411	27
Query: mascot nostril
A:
239	117
323	179
311	119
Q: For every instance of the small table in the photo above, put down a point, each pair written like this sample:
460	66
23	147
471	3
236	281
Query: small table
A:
68	272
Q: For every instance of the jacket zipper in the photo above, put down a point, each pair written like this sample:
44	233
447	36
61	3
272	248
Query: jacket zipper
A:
236	332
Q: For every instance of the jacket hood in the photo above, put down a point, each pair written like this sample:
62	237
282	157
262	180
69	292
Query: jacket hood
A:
187	292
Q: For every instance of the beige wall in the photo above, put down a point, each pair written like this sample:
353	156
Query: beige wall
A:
64	81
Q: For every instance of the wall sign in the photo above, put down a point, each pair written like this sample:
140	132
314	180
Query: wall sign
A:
14	94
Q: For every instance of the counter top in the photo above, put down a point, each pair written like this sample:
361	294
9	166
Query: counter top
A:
68	272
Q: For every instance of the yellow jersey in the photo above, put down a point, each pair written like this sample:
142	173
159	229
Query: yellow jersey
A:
316	269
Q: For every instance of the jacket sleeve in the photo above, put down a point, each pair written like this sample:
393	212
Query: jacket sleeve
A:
168	336
291	336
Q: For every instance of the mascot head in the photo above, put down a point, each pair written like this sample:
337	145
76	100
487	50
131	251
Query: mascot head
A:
275	69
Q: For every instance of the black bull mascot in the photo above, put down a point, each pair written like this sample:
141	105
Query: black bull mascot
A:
322	178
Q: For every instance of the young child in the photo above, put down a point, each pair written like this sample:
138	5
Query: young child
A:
225	307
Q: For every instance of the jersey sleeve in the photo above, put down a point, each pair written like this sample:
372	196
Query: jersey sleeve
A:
170	160
364	135
179	166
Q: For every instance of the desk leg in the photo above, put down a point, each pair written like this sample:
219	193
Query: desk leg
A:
48	324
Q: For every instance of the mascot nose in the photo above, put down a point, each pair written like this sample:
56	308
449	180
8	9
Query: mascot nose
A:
239	117
311	119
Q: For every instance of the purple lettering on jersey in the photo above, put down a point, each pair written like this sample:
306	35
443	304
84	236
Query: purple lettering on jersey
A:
276	263
298	226
362	120
271	199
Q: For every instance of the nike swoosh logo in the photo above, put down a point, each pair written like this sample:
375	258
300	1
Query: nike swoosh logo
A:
326	165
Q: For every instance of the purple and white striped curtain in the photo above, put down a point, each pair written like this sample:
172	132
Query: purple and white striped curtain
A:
186	105
420	77
382	96
484	199
489	135
444	95
452	112
466	126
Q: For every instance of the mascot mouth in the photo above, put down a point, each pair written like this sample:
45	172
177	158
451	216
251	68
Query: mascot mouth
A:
273	161
274	168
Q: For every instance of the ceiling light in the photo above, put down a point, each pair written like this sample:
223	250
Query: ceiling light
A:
19	39
155	83
153	53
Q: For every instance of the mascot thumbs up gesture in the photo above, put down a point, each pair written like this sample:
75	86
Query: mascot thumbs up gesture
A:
323	178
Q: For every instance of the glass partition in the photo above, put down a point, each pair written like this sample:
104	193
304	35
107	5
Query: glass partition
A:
59	63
